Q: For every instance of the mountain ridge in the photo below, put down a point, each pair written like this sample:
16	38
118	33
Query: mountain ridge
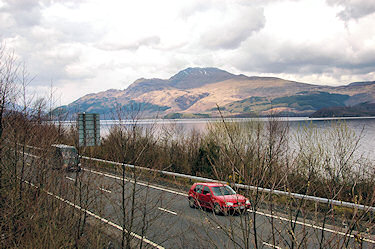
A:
201	90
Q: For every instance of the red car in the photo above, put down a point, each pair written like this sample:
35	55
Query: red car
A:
217	196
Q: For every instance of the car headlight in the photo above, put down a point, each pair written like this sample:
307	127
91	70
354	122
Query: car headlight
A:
247	202
229	203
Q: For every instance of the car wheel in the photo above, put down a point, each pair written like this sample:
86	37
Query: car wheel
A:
217	209
243	211
191	202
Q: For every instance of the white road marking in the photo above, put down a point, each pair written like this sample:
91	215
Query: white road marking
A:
166	210
105	190
100	218
140	183
69	178
28	154
270	245
260	213
313	226
184	194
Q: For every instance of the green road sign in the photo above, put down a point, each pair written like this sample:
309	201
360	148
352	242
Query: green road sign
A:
89	129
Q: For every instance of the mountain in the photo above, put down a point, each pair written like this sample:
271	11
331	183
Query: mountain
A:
360	110
198	77
200	90
186	79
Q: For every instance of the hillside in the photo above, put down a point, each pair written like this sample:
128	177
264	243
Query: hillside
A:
201	90
360	110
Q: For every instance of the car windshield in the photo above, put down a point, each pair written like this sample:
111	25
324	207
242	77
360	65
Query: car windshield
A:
223	190
69	155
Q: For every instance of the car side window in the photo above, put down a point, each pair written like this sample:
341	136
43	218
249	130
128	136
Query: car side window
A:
198	189
206	190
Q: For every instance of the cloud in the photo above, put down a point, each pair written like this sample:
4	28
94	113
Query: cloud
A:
354	9
129	45
229	30
92	45
266	56
294	43
221	24
50	47
197	6
24	13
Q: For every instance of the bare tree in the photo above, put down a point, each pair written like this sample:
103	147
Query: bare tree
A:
129	143
8	85
320	162
30	216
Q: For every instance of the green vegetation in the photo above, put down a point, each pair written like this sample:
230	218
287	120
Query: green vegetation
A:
360	110
143	107
311	100
103	108
186	115
301	102
173	116
249	105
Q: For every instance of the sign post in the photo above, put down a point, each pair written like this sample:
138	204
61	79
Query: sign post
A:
89	129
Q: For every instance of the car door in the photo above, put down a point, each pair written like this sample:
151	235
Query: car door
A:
197	192
205	197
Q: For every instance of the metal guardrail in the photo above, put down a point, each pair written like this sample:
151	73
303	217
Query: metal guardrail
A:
153	170
242	186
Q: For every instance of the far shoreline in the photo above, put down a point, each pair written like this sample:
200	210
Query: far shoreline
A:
230	119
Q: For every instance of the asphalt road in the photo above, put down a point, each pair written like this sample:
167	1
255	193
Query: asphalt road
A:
164	219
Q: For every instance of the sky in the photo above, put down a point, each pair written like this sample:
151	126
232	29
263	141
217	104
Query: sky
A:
86	46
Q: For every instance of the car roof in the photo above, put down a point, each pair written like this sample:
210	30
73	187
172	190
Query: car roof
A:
211	184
